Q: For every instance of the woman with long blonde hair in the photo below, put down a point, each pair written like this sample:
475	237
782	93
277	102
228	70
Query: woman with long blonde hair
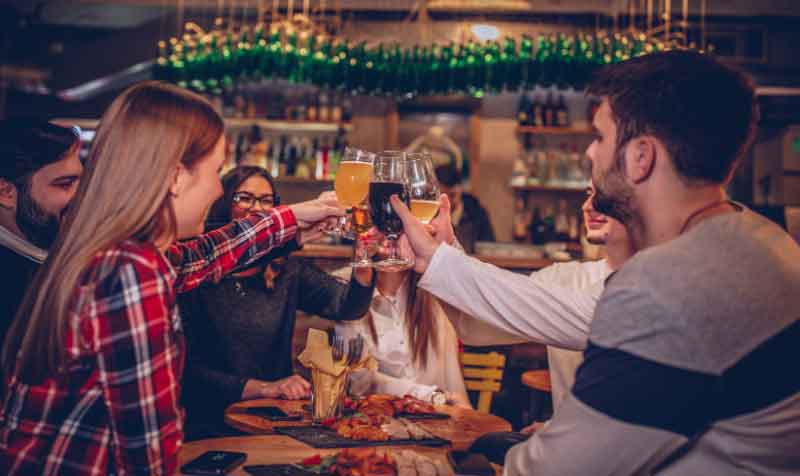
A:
94	358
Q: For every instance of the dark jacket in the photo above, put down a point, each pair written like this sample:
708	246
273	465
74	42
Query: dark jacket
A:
239	330
474	225
19	272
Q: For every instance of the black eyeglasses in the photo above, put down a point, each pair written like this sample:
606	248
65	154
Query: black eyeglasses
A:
247	200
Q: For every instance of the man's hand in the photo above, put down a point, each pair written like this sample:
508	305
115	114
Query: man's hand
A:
416	237
442	224
294	387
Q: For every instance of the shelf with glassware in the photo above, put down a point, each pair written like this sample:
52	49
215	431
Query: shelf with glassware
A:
550	174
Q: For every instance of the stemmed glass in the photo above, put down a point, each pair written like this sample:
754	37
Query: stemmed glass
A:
389	178
352	182
423	187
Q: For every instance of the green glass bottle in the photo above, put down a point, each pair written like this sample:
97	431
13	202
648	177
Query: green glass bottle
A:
162	70
547	62
289	61
512	65
492	67
213	65
306	47
242	55
529	72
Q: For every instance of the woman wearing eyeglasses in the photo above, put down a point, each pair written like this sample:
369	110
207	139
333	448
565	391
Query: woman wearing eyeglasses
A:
239	331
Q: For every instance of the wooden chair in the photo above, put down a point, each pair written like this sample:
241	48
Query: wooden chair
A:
483	374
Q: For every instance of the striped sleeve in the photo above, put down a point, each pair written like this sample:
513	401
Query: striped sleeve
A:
216	253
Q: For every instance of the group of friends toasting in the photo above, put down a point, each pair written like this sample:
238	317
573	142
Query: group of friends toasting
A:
144	285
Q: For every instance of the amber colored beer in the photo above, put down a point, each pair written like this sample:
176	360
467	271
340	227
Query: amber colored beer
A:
361	218
352	182
425	210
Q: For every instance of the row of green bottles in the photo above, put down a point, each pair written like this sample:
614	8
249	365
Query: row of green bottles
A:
219	60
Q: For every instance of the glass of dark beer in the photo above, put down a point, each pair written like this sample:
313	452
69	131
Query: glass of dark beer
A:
389	178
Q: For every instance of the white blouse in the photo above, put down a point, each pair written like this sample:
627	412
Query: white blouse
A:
397	374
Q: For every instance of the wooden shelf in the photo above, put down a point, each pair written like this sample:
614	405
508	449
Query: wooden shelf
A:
237	123
553	130
289	126
548	188
288	179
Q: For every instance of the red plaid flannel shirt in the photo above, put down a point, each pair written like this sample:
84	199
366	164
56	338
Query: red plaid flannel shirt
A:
115	409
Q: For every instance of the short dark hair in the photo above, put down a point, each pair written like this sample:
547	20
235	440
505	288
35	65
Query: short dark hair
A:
220	212
448	175
27	145
704	112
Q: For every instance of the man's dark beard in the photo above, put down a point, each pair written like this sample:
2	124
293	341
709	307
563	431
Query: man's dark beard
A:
613	196
38	226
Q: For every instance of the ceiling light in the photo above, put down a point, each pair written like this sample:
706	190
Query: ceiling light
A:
485	32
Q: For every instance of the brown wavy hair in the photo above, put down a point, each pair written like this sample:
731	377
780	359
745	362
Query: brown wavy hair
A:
220	215
421	328
143	136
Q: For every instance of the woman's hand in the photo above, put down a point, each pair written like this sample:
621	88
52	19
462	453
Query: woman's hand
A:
293	387
312	216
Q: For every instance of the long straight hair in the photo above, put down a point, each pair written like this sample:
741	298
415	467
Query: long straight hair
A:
143	136
421	327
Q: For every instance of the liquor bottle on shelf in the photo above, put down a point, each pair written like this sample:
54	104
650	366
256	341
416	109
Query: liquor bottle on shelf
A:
521	221
336	109
562	113
347	109
536	114
549	111
301	108
523	107
562	222
312	108
324	107
538	228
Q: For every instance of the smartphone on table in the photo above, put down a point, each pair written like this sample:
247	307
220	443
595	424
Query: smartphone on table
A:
214	463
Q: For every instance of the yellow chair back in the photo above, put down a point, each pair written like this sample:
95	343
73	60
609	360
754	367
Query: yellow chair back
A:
483	373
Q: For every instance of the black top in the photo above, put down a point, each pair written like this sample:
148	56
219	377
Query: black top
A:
239	330
20	271
474	225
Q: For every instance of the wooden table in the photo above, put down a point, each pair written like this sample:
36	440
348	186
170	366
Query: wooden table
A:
464	426
277	449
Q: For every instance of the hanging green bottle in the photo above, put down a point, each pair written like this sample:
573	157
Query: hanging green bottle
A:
474	73
443	78
512	66
381	69
340	63
161	70
394	71
319	62
491	63
242	55
460	78
307	45
565	55
213	66
546	60
435	70
290	60
527	63
178	64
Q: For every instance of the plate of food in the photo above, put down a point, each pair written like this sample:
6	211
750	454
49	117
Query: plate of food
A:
363	430
389	405
360	462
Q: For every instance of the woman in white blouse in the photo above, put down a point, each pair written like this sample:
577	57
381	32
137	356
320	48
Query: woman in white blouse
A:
407	332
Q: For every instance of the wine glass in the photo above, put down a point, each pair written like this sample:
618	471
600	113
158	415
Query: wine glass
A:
423	188
389	178
352	182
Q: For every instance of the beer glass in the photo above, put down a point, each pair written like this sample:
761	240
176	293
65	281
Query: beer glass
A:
389	178
423	188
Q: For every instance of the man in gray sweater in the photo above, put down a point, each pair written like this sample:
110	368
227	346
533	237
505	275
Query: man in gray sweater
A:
685	368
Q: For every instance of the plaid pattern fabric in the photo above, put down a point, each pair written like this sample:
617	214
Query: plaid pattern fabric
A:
114	409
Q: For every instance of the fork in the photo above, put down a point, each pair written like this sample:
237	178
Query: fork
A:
337	348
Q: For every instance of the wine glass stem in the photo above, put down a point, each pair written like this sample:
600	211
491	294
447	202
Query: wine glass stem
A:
392	247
